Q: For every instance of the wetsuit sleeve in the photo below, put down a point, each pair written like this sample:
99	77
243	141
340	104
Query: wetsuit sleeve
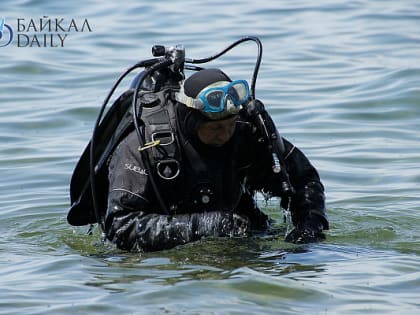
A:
140	231
134	222
307	204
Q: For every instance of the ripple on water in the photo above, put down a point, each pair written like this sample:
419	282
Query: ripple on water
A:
342	83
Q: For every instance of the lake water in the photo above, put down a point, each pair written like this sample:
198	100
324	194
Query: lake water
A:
342	81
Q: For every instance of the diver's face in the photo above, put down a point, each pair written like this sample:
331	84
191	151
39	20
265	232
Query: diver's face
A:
217	132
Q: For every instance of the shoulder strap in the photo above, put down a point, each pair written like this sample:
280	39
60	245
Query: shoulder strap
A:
162	146
161	142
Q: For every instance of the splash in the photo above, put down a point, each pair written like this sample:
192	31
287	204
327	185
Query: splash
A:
287	217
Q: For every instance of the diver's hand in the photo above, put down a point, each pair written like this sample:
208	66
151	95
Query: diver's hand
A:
234	224
309	231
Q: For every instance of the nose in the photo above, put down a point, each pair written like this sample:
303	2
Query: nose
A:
222	136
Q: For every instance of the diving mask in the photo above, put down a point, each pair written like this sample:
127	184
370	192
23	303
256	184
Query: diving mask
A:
219	99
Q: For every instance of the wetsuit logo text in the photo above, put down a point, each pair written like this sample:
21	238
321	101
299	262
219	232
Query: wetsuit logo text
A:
135	168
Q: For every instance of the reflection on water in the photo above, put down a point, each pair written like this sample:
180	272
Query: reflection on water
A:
342	83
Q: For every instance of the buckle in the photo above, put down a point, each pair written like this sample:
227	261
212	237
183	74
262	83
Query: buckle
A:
168	169
164	137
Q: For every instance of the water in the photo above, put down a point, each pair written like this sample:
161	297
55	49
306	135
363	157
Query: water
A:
342	81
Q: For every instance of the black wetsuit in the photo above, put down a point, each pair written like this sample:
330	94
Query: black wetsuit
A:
233	172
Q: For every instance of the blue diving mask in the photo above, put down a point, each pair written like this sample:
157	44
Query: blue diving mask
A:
218	100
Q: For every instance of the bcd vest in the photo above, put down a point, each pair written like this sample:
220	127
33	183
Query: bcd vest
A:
188	181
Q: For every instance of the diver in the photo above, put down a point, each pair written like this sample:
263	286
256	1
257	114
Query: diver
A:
223	163
193	165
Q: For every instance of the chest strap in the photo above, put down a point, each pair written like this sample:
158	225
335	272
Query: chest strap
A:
162	145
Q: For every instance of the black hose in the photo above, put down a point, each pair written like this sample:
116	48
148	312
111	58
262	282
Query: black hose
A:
244	39
92	161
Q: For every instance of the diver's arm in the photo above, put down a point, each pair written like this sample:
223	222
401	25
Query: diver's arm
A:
308	201
139	230
307	204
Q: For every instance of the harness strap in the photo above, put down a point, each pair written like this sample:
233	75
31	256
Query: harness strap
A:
162	145
164	138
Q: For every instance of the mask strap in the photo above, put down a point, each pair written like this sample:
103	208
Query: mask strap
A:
188	101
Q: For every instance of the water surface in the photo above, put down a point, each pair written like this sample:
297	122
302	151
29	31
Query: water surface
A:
342	81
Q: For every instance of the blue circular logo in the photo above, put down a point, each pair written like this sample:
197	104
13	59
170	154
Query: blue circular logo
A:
6	33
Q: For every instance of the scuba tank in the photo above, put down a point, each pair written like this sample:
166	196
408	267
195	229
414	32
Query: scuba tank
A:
165	72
